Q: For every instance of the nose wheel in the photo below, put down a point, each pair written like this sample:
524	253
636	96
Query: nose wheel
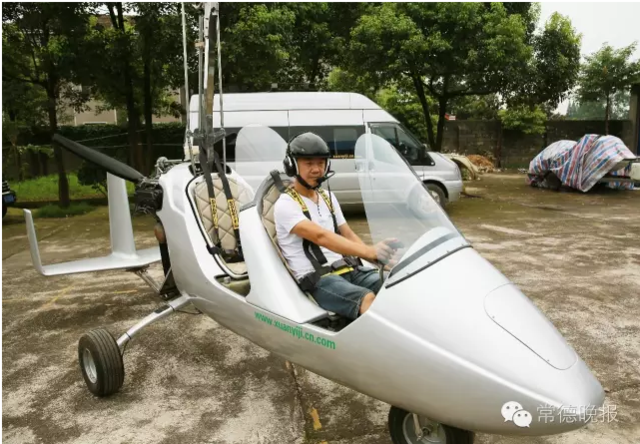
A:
101	362
409	428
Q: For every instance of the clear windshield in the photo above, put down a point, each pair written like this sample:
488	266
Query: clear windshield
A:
258	151
397	205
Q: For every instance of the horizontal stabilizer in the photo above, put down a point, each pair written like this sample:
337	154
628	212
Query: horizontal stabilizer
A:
123	249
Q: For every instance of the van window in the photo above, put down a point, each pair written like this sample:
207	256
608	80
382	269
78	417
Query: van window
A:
340	139
283	131
404	142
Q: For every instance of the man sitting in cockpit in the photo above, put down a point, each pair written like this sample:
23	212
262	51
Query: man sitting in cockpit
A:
321	249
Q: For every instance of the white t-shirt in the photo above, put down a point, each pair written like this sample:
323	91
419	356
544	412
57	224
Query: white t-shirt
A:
288	214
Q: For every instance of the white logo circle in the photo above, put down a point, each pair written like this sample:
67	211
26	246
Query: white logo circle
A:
509	409
522	418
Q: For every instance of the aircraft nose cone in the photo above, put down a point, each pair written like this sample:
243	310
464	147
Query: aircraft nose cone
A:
508	307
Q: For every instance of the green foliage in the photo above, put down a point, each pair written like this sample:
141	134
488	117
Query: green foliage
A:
341	80
256	44
606	73
454	50
319	38
475	107
93	176
554	69
23	103
40	46
404	106
596	110
153	32
525	119
54	211
45	189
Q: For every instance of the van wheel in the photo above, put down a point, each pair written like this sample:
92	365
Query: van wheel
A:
402	428
437	193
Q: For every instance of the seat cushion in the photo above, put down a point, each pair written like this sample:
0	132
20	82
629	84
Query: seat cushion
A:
242	195
269	200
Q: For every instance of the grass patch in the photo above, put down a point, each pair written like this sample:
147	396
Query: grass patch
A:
45	188
54	211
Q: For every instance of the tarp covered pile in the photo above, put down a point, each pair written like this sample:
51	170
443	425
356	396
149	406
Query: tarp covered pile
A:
581	165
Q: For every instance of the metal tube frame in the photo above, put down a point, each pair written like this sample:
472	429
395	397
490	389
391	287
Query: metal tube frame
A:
160	313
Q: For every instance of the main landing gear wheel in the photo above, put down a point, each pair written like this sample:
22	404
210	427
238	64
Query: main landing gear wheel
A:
407	428
101	362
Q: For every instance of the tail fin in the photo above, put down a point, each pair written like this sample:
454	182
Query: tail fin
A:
123	248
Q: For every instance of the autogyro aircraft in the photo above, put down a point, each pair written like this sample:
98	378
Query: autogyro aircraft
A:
451	356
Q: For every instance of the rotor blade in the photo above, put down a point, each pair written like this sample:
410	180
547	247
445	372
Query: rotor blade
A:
110	164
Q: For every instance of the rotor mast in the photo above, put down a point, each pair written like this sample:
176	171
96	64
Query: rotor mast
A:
209	32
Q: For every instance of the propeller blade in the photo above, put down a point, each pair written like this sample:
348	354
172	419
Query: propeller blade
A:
110	164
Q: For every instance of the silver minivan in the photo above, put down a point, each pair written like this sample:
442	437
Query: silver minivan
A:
339	118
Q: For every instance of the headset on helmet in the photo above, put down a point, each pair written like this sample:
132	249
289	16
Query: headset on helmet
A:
305	145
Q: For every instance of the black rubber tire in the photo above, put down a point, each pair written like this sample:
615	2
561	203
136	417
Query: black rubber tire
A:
109	366
435	188
396	421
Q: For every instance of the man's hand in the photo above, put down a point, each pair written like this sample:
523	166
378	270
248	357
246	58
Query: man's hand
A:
384	251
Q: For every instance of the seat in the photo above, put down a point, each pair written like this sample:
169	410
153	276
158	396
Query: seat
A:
266	202
242	195
266	199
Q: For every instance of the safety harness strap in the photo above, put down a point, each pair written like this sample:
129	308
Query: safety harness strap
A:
327	200
228	255
231	204
311	250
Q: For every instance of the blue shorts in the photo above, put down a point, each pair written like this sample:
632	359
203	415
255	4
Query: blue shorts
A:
343	294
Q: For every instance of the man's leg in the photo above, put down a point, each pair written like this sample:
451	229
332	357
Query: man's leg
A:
367	278
337	294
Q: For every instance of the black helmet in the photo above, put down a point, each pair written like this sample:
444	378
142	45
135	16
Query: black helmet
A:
305	145
308	145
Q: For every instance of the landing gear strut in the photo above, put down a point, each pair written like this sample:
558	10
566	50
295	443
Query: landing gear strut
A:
100	355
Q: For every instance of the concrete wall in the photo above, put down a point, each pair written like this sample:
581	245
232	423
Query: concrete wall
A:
481	137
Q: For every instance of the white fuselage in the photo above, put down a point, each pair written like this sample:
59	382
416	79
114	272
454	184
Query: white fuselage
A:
449	348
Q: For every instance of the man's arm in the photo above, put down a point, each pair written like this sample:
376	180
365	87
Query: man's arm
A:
334	242
347	232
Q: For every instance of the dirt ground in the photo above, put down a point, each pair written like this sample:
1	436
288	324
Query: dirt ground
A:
188	380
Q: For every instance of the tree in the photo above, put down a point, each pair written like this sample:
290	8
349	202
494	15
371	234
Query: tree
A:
24	106
294	45
319	37
453	50
525	119
605	73
160	45
40	44
579	110
401	102
150	34
256	45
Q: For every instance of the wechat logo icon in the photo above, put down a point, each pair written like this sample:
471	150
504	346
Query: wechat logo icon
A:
513	411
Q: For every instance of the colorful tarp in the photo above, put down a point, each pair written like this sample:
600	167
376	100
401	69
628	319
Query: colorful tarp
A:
581	165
